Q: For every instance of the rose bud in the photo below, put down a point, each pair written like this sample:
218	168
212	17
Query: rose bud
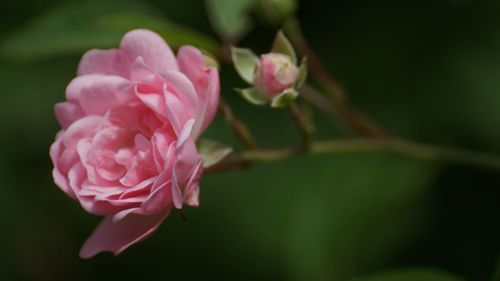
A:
275	73
275	77
126	149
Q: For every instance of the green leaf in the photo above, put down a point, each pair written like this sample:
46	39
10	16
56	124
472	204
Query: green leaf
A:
414	274
75	27
245	62
230	18
253	96
282	45
302	77
284	99
212	152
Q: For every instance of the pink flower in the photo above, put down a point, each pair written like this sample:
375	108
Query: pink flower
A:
275	73
127	150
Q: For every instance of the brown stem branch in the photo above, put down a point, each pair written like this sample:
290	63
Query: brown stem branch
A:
339	99
411	149
302	125
239	128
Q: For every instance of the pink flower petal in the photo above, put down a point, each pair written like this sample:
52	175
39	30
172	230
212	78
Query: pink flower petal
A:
141	189
106	62
151	47
177	115
191	62
76	85
79	129
140	71
195	174
183	88
154	101
111	173
211	102
157	200
116	236
185	134
105	93
55	151
166	173
67	112
161	141
193	200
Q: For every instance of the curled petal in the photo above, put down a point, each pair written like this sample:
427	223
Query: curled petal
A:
175	111
161	142
154	101
193	198
184	90
211	100
206	82
157	200
185	134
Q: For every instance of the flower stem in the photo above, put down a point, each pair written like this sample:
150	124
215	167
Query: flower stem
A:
402	147
239	128
338	97
302	125
414	150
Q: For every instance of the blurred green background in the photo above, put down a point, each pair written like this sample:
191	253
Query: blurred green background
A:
428	70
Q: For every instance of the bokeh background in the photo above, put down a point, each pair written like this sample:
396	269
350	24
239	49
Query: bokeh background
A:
428	70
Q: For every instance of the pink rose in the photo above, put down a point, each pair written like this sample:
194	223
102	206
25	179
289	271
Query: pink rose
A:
275	73
127	150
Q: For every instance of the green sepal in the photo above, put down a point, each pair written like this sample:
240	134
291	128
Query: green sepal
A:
212	152
253	96
282	45
284	99
210	60
245	62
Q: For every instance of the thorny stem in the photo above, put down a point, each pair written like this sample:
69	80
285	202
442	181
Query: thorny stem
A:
339	99
397	146
239	128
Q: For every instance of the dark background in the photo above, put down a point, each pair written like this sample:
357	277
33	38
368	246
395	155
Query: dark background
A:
428	70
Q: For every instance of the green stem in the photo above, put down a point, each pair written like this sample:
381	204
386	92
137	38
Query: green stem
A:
401	147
